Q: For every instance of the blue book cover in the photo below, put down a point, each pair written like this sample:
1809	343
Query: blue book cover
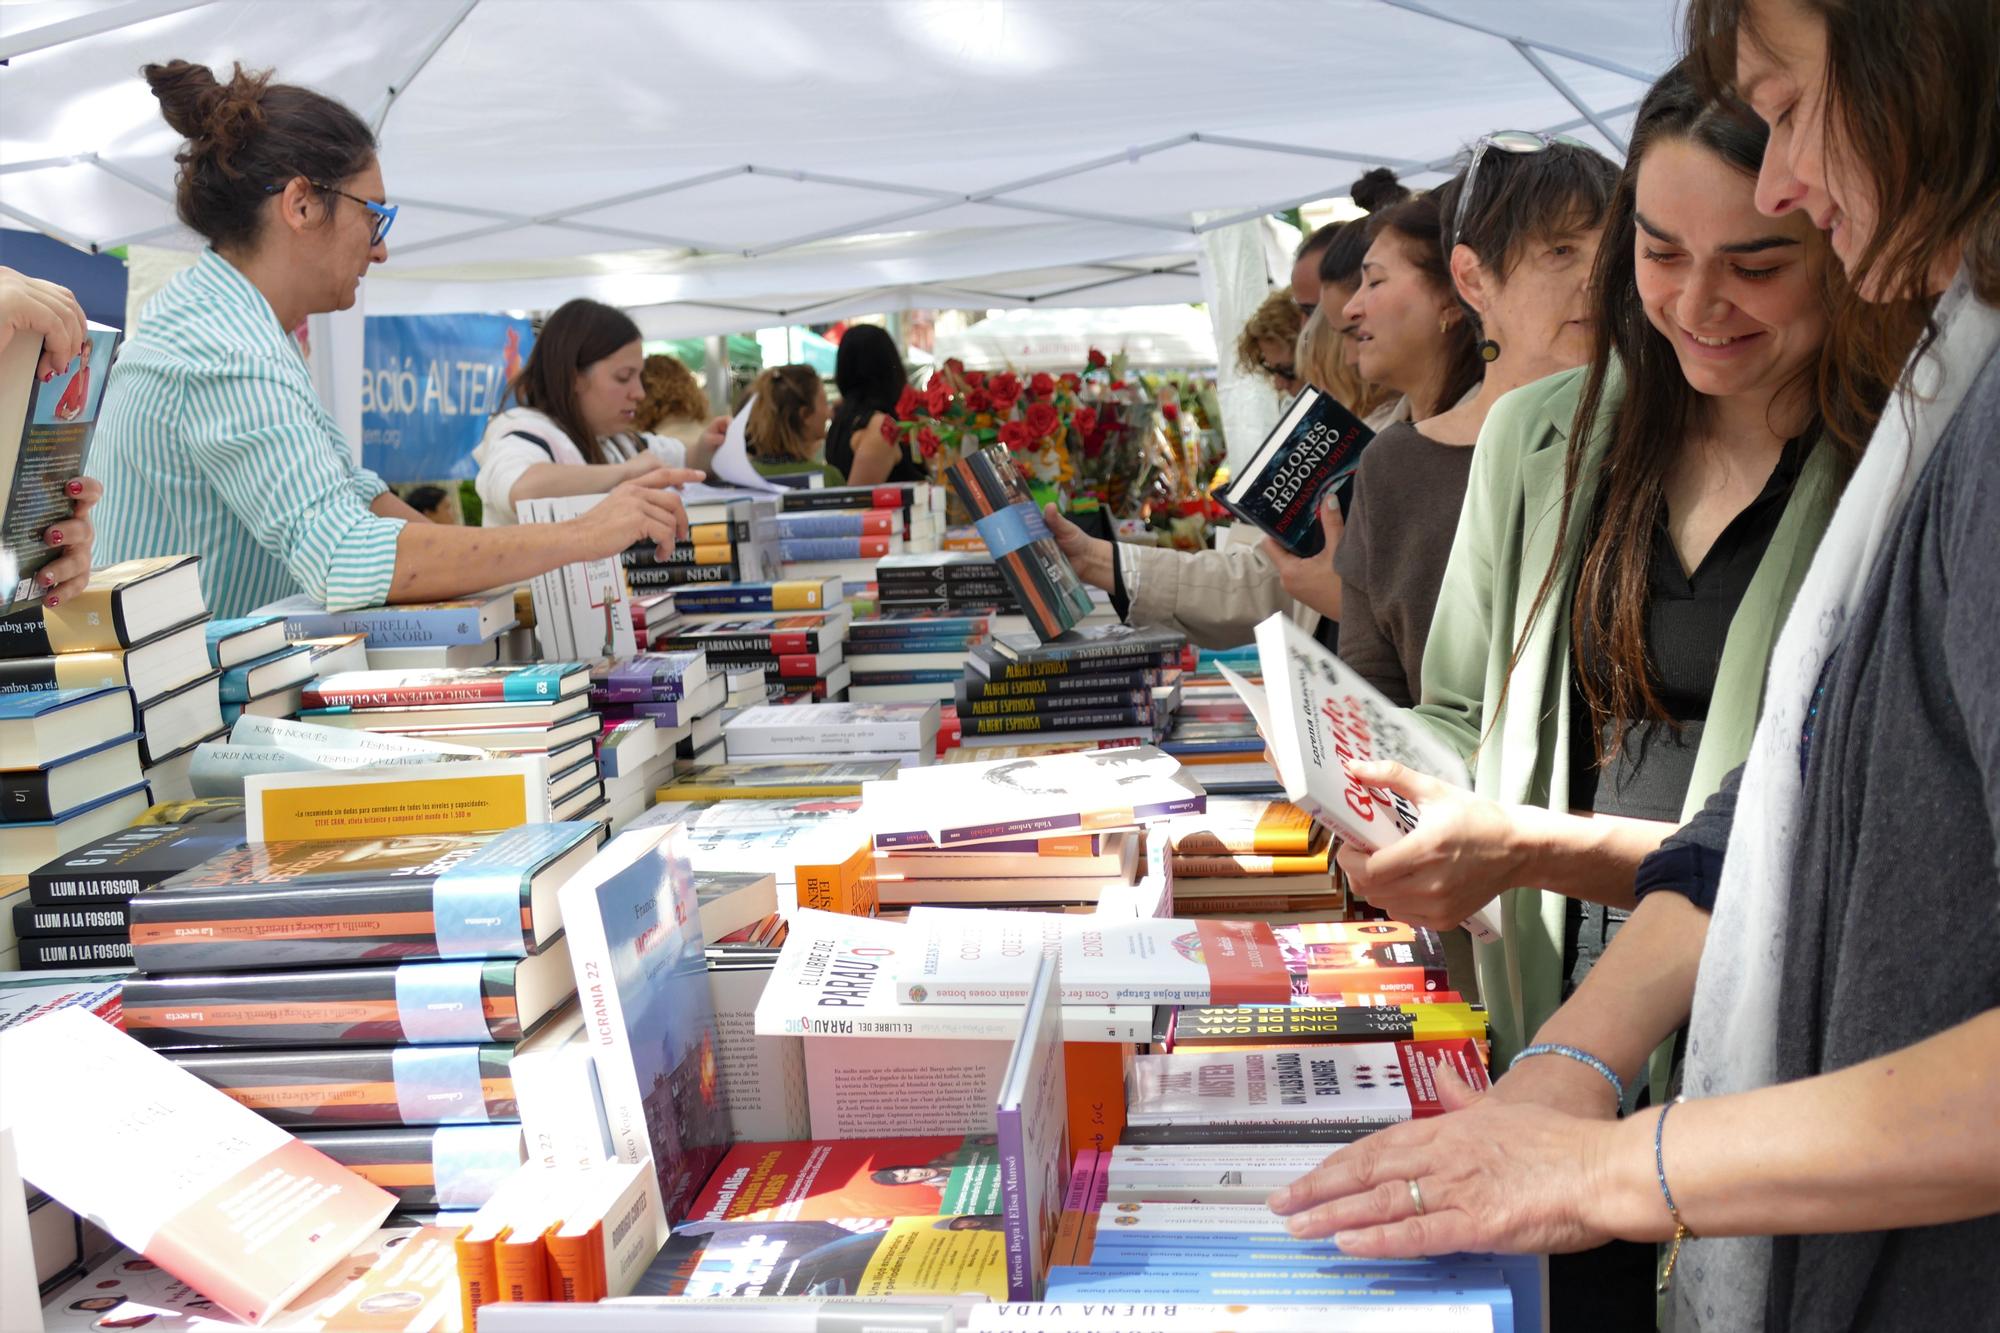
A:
235	684
783	595
219	632
85	808
1368	1286
641	973
27	705
416	625
1312	450
835	548
840	523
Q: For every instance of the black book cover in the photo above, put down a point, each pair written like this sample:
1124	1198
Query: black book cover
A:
130	860
975	687
1031	724
986	661
47	951
1099	642
443	1166
680	576
888	495
359	1006
1313	449
1280	1024
83	918
1010	523
338	1086
1043	704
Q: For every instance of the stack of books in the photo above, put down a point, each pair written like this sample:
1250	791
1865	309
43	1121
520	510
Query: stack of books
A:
947	581
682	696
262	670
71	771
1253	857
732	538
902	733
467	632
509	711
1070	872
1101	683
902	654
909	514
75	914
804	652
140	625
384	986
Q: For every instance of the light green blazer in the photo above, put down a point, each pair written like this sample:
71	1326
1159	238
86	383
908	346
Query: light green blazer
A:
1506	537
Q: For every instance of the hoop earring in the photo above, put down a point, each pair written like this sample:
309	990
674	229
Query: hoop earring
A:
1489	351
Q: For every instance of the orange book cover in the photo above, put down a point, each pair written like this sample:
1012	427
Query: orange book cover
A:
1094	1075
1233	826
521	1266
847	886
477	1280
576	1265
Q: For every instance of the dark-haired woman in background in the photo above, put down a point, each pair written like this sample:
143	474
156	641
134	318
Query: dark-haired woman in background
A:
211	438
869	372
569	425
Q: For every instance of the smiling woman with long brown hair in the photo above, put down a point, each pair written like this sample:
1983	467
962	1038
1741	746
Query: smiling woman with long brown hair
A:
1844	1043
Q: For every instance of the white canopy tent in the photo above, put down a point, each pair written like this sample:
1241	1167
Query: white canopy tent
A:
719	164
1053	339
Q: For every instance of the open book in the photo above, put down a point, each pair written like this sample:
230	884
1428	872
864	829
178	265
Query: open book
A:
1318	716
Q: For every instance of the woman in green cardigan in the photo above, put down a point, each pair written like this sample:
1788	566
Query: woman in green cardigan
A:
1613	592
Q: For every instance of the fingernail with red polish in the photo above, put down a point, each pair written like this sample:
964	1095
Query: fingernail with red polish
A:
74	488
55	537
53	600
48	375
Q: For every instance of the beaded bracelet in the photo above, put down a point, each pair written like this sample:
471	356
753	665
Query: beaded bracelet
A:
1581	1057
1681	1231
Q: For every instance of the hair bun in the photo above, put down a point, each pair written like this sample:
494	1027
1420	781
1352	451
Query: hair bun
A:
215	118
1378	189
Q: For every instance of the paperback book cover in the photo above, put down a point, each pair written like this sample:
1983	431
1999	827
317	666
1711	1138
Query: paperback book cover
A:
637	950
1010	522
1345	1089
649	677
114	868
940	1256
407	625
1313	449
1016	798
859	1183
831	728
268	905
1031	1120
45	431
427	1167
781	595
174	1168
444	685
1343	957
1319	717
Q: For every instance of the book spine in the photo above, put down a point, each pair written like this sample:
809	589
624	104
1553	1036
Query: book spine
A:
793	549
677	576
1014	1167
708	534
404	627
561	1108
1010	528
684	553
833	739
478	1283
974	688
571	1276
1249	865
22	675
31	918
842	498
491	690
765	643
1137	702
40	952
521	1267
842	523
1030	669
24	794
1054	721
915	676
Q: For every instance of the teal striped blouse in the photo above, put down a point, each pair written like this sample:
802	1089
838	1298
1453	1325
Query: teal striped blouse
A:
212	441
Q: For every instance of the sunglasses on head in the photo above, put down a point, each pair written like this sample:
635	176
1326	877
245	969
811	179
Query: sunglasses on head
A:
1522	143
385	214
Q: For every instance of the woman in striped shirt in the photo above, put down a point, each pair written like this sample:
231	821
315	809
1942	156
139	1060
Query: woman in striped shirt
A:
212	440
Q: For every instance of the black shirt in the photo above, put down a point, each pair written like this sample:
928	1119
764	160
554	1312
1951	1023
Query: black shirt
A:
1687	625
840	443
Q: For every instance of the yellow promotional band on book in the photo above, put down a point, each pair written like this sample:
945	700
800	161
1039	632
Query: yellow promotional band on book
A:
389	809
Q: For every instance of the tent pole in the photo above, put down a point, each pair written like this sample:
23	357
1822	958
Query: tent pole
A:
48	229
1581	57
1569	95
1575	122
402	85
90	25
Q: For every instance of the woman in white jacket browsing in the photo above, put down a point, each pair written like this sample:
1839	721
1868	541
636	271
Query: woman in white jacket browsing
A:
567	428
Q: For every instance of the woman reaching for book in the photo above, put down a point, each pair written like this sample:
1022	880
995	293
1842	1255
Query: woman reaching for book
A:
569	424
211	439
32	308
1218	597
1844	1052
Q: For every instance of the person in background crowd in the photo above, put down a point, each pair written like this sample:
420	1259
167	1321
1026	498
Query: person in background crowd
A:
1837	1164
1268	341
569	423
1340	278
1305	268
676	407
435	503
786	428
1518	256
211	439
32	308
868	370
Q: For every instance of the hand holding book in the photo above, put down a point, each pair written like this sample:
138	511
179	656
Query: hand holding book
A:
1464	851
1311	579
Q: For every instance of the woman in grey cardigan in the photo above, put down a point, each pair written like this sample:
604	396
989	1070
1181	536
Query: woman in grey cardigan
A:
1844	1058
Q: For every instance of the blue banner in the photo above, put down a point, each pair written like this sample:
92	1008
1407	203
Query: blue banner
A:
428	385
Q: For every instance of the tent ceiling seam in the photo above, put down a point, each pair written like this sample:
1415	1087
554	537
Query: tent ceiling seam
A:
1516	39
91	25
1569	95
402	85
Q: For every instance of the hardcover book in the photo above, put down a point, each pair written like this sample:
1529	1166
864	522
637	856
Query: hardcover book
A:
650	677
831	728
1010	522
478	1001
781	595
346	1087
427	1167
124	604
171	1164
384	900
243	639
465	685
411	624
1313	449
1319	716
637	950
40	726
113	868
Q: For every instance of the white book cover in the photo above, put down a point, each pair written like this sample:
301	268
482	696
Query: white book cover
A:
208	1190
1082	792
835	977
763	1078
255	731
1341	1083
831	728
1319	716
584	609
974	956
557	1096
1032	1123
